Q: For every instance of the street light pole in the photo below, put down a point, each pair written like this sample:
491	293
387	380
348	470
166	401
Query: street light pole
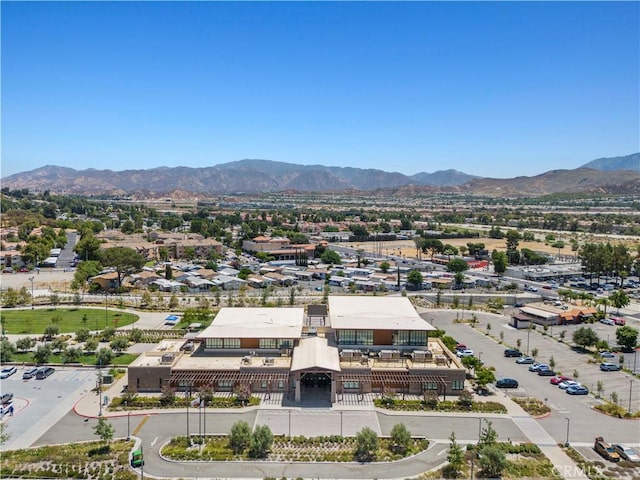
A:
289	411
566	444
32	298
128	424
106	312
631	380
341	422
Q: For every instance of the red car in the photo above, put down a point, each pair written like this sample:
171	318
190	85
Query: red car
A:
618	320
558	379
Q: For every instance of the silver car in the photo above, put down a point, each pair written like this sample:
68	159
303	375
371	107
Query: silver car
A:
627	453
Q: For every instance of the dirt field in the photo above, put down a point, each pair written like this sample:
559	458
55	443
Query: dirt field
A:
408	247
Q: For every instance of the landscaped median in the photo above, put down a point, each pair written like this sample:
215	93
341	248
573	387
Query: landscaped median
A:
89	460
433	404
243	444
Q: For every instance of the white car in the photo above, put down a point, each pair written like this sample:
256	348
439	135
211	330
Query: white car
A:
464	353
607	321
568	383
7	372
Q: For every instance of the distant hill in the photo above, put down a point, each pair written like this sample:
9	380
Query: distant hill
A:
628	162
580	180
250	176
255	176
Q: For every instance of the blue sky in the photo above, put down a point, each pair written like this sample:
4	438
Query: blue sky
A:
492	89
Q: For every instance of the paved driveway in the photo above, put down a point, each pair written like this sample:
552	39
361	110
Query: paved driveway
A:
584	423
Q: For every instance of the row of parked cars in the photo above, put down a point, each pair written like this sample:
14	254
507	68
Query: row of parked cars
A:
33	372
615	452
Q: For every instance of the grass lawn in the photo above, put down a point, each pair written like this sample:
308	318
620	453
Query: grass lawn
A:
69	319
118	359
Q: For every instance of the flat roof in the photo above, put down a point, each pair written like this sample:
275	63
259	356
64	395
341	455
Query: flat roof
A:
375	313
238	322
536	312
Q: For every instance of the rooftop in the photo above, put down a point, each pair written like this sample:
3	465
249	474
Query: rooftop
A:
255	323
376	313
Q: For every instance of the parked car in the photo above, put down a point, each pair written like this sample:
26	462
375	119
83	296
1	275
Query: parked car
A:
461	346
606	450
512	352
607	355
628	454
577	390
507	383
465	353
567	383
558	379
30	373
44	372
618	321
5	398
607	321
609	367
529	288
546	372
525	360
537	366
8	371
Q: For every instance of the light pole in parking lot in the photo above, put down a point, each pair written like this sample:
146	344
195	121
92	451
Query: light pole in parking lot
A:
32	297
566	444
631	380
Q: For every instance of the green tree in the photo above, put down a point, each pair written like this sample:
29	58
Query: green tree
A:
25	343
240	437
484	377
83	334
104	430
7	349
619	299
167	395
455	457
90	345
51	331
384	266
10	298
400	438
414	277
457	265
261	442
534	353
500	262
330	257
493	461
118	344
488	435
104	356
585	337
513	239
124	259
627	337
42	354
88	248
366	445
135	335
71	355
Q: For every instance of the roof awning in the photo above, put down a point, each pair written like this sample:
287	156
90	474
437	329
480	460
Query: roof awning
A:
204	377
313	353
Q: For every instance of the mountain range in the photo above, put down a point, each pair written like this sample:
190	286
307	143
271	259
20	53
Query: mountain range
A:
604	175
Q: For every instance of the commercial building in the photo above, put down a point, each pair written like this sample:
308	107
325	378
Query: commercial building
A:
352	345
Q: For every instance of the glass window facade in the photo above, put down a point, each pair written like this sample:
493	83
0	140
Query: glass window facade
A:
222	343
410	337
457	384
350	385
430	386
355	337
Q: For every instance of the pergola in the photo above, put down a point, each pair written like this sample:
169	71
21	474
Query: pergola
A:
184	378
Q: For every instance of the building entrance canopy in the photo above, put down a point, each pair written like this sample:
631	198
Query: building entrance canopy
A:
314	353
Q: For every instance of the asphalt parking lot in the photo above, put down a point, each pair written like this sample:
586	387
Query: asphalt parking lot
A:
40	404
